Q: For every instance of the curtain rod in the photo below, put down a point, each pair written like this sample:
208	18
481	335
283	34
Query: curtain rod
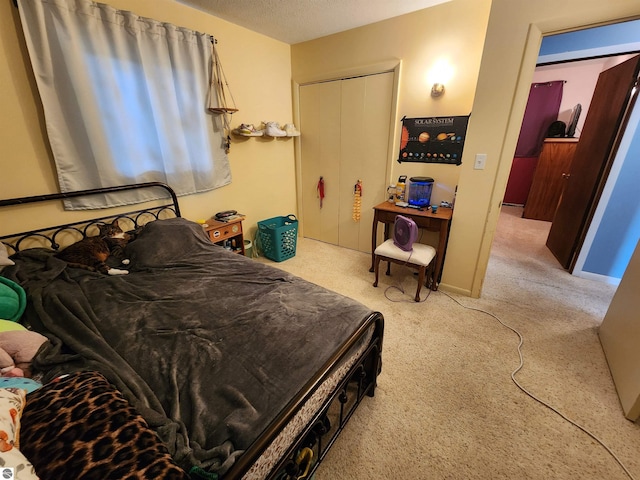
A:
214	40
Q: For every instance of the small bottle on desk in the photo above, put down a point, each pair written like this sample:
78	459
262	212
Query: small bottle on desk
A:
401	191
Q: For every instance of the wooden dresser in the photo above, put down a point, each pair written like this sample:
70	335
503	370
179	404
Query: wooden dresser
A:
548	181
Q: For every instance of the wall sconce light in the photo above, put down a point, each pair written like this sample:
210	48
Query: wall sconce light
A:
437	89
438	76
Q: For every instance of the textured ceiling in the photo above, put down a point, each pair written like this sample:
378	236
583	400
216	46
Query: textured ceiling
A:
294	21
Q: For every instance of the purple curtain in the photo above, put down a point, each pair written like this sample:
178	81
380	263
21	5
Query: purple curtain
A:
542	109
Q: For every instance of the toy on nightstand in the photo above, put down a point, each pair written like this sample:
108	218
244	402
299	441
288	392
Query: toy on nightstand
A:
226	216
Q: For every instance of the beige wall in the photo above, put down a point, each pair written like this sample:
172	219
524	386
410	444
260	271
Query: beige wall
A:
259	73
452	32
620	335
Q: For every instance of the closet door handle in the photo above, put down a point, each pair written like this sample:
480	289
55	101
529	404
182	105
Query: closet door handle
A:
566	176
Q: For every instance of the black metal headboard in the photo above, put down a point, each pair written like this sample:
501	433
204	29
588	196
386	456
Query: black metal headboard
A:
49	236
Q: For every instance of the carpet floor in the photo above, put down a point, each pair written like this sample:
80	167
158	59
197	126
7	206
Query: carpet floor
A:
446	406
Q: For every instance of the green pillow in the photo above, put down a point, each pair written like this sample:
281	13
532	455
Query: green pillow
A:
13	300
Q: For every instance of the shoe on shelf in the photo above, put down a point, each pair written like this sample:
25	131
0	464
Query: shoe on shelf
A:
273	130
247	130
291	131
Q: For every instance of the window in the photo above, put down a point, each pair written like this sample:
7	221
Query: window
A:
125	99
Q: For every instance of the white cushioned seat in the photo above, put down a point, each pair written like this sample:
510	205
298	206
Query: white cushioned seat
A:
421	255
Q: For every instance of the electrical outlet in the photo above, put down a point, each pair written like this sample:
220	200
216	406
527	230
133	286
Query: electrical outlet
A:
481	160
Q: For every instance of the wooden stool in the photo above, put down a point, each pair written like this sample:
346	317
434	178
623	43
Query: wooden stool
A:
420	258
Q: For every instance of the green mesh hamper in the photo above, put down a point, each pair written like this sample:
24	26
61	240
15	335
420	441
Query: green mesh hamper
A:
278	237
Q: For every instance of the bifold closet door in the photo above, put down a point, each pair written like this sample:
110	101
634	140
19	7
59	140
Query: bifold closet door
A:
320	157
364	138
346	127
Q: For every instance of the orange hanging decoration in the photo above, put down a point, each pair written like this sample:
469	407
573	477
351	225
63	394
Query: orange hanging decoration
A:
357	201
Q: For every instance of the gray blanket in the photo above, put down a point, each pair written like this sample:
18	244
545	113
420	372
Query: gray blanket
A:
208	345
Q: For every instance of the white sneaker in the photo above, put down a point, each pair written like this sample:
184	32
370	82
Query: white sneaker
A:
291	131
247	130
274	130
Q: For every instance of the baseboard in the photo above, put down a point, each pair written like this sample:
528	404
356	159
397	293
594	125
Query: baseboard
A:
598	277
452	289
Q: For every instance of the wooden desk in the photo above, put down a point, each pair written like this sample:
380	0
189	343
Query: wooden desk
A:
439	222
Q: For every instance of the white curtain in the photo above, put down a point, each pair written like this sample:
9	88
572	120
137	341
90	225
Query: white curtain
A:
125	99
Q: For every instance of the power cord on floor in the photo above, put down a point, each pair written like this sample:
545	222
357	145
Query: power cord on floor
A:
553	409
401	289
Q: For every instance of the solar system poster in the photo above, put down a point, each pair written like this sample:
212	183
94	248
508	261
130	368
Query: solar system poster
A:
433	139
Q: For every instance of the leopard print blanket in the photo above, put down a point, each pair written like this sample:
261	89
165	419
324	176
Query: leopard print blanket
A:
81	427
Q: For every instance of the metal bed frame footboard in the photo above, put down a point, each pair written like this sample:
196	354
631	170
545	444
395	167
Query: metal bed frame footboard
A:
49	236
323	430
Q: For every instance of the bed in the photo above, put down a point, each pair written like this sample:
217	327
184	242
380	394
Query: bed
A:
241	369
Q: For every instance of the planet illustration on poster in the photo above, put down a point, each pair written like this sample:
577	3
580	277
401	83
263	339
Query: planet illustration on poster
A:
404	139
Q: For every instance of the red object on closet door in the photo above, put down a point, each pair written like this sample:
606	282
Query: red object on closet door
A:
320	190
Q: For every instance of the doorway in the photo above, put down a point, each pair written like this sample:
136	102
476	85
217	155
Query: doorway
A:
606	120
580	73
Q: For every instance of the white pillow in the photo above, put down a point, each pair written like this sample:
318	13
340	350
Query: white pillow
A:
4	256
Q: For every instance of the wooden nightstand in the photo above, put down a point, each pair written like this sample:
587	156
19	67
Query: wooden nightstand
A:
227	233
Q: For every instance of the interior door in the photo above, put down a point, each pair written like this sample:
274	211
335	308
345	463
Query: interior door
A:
592	160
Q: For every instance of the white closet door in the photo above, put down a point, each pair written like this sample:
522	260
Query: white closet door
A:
320	150
345	126
364	139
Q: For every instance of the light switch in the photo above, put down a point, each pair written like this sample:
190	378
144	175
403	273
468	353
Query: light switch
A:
481	160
